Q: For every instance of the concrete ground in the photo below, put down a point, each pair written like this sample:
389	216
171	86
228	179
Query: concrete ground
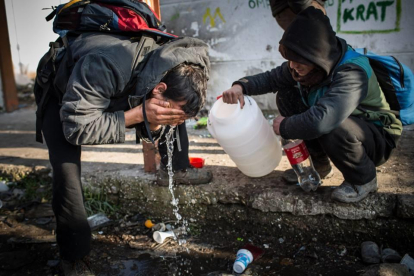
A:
302	234
395	196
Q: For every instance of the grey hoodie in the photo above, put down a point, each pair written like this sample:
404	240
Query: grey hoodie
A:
98	89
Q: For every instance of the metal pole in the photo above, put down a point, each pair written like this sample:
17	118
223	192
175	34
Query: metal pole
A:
11	101
151	155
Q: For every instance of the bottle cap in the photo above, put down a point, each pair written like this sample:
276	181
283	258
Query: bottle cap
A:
239	267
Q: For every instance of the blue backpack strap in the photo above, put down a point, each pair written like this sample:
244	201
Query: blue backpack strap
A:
350	54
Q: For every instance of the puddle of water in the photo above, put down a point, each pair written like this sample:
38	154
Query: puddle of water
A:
143	266
181	265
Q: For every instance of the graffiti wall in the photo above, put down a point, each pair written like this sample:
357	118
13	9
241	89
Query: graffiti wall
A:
244	37
384	27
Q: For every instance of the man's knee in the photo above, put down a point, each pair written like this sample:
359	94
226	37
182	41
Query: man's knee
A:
338	137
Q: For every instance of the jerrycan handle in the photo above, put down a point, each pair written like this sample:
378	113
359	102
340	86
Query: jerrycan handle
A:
248	98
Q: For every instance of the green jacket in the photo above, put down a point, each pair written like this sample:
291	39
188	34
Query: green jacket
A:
373	107
350	89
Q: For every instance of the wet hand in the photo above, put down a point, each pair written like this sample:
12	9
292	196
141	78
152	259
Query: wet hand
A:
160	112
233	95
276	124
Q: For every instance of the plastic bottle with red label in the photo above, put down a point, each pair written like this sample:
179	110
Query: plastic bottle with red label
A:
299	158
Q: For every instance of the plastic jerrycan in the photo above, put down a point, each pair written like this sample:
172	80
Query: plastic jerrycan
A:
246	136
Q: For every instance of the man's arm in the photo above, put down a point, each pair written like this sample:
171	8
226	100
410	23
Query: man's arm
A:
94	80
270	81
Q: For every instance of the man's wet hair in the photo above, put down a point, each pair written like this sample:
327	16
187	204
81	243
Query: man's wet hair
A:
186	82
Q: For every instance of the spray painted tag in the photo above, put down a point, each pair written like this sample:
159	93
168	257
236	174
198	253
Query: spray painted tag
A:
297	154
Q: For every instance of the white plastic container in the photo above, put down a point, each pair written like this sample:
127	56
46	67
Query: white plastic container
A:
245	136
243	259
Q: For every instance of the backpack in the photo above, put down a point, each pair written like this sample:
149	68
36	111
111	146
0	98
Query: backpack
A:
395	79
127	17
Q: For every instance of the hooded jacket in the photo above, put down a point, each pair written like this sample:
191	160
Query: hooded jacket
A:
99	89
277	6
345	89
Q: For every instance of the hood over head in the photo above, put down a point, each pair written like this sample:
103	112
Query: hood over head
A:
277	6
156	64
311	37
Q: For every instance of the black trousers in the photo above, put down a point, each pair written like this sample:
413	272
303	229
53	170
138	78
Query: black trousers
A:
355	147
73	233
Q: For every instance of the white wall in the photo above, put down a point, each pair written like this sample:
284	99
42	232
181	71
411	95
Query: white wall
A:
244	37
29	30
242	34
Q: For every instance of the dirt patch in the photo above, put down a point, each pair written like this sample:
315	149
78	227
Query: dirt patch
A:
292	245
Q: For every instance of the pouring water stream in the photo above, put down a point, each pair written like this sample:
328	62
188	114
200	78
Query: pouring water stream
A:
170	148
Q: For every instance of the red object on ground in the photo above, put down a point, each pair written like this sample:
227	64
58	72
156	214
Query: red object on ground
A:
257	252
197	162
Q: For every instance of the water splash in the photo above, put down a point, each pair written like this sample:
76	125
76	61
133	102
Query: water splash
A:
170	149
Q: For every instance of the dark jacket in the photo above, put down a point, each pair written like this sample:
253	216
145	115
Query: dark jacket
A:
98	90
277	6
338	96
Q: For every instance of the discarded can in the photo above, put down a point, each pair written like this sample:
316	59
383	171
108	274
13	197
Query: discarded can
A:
98	220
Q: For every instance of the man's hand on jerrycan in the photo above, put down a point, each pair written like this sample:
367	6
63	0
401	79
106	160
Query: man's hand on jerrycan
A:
233	95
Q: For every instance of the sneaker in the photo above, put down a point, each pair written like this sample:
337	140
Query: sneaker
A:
324	171
348	192
189	176
77	268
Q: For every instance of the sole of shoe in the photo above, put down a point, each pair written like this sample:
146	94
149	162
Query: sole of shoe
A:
352	200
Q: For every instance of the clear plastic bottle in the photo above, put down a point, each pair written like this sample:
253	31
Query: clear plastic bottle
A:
301	162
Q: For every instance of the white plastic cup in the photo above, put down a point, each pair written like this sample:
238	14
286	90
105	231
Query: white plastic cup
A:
243	259
160	237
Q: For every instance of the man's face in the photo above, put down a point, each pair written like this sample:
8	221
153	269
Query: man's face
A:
173	104
300	68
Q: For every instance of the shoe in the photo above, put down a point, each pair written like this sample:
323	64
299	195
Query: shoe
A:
77	268
189	176
348	192
325	171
